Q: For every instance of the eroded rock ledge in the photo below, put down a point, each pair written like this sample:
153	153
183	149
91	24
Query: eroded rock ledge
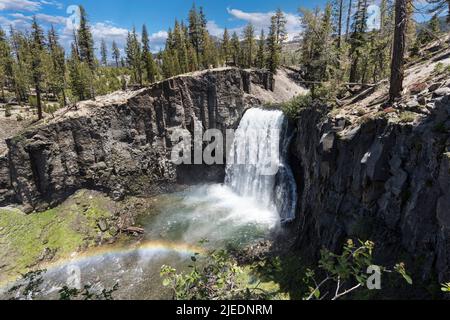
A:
120	144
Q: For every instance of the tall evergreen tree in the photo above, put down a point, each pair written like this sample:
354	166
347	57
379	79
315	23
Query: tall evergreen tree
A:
358	38
195	30
85	40
260	55
147	57
77	81
115	53
6	64
37	51
273	48
104	53
59	64
235	49
21	67
134	55
226	46
249	45
281	26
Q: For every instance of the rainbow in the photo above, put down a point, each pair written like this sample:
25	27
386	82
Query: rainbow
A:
119	250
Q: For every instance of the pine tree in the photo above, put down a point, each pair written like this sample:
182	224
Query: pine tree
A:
21	67
260	56
273	48
235	49
115	53
281	27
77	84
58	63
195	30
37	48
179	45
85	41
382	40
249	45
318	54
226	47
134	55
104	53
147	57
434	25
6	62
358	39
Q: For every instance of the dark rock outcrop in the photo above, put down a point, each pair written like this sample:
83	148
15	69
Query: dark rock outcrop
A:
124	148
379	180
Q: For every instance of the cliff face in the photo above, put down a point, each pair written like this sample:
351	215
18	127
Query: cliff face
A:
123	146
381	180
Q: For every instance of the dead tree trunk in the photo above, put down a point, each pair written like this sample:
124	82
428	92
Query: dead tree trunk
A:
398	54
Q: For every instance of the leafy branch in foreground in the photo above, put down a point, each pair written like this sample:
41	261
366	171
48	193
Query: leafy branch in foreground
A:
446	287
219	276
347	272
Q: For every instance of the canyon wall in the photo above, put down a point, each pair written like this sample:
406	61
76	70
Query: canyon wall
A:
375	179
123	146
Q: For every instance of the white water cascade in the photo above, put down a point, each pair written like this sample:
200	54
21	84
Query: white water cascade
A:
257	164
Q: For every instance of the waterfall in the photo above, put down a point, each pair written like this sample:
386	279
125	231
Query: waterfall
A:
257	165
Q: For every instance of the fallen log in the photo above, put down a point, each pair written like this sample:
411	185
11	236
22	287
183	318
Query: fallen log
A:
133	230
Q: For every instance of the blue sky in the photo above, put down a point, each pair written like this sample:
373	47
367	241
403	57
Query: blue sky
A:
111	19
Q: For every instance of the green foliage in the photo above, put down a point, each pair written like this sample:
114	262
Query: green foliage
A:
217	279
51	108
446	287
407	117
59	231
292	107
346	272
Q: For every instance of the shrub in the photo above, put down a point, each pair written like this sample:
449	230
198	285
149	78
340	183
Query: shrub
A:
292	108
407	117
439	68
8	112
51	108
219	278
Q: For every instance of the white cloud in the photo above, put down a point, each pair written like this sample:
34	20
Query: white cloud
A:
45	18
158	40
261	20
215	30
56	4
18	22
20	5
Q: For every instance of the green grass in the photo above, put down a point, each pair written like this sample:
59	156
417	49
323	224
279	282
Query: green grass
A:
63	230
